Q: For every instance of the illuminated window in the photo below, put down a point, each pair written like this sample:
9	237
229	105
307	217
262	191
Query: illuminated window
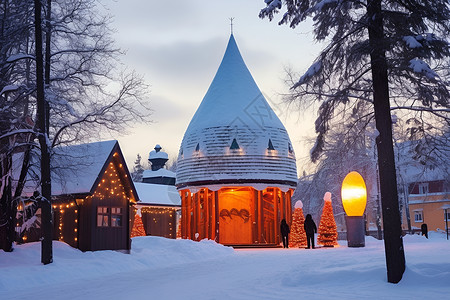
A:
102	216
418	216
116	217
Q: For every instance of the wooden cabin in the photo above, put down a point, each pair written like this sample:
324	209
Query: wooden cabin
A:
159	205
159	202
236	169
92	197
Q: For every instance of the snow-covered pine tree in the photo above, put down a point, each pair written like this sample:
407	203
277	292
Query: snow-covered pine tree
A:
298	235
138	170
327	226
392	54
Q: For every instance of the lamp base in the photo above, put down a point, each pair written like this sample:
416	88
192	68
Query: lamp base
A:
355	231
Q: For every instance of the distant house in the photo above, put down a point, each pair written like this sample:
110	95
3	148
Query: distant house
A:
429	202
92	194
160	201
427	188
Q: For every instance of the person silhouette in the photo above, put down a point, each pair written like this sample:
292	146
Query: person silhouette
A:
284	229
310	229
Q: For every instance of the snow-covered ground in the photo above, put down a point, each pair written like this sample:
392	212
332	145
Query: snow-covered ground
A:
159	268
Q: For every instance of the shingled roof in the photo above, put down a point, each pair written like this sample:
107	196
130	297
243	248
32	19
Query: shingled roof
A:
235	136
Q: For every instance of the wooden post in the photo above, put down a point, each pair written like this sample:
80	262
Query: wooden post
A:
283	206
206	214
213	215
183	214
261	217
255	219
196	214
276	220
216	216
189	216
289	205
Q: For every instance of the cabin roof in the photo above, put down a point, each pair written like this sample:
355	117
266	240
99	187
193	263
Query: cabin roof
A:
158	173
157	194
77	169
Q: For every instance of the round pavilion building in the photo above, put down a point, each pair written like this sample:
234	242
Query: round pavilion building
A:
236	168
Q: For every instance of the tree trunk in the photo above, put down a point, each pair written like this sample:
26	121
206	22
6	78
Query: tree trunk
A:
6	211
393	242
46	214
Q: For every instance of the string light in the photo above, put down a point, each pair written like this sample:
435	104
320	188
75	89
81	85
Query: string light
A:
109	186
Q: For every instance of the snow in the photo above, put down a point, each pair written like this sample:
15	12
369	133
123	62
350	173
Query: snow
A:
9	88
233	94
160	154
411	42
19	56
158	173
159	268
298	204
319	6
327	197
313	69
157	194
235	108
76	168
419	66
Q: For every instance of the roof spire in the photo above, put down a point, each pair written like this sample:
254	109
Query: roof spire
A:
231	24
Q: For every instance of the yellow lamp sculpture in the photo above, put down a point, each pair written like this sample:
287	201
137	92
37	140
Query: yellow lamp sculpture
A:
354	199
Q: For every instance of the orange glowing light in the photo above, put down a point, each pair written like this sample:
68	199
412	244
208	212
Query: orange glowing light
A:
354	194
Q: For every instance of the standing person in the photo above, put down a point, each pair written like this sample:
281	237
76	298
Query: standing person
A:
284	229
310	229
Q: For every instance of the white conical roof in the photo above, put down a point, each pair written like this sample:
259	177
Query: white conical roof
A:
234	112
233	94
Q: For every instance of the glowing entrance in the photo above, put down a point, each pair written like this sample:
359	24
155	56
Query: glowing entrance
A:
235	215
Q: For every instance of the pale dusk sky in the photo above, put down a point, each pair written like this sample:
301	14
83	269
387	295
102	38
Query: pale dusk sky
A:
178	47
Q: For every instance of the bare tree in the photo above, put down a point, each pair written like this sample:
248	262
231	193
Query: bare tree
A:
87	91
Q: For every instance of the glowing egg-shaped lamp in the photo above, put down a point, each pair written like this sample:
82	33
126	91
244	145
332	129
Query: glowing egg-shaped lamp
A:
354	199
354	194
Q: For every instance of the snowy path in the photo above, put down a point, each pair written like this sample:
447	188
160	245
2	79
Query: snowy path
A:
342	273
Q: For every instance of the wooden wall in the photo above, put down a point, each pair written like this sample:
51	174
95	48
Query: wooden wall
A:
159	221
235	215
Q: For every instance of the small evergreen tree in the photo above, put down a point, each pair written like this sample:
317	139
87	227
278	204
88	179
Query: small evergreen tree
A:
298	235
327	227
138	226
138	170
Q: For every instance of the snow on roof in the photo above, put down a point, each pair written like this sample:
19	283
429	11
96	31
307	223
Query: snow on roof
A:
418	170
157	194
160	154
158	173
235	109
233	93
75	168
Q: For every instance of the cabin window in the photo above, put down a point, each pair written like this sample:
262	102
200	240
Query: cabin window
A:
423	188
102	216
116	217
418	216
446	215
